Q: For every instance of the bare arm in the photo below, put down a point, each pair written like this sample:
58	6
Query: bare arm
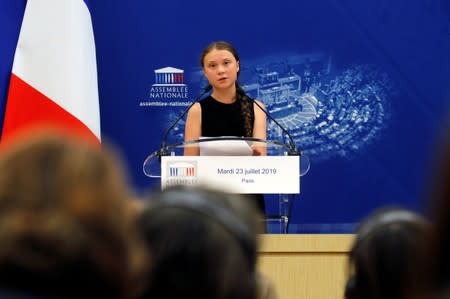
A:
193	129
259	129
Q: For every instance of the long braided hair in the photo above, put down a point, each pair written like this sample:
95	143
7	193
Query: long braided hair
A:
242	99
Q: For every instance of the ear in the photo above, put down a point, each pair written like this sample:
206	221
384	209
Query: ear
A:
237	66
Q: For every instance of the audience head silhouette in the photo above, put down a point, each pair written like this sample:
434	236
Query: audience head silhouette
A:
385	253
66	226
435	279
203	243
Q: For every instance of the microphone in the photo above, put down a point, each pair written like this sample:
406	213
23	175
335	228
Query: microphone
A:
293	151
163	149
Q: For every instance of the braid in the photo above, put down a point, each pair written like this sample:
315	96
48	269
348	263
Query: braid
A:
245	106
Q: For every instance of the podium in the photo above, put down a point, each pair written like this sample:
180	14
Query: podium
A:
227	163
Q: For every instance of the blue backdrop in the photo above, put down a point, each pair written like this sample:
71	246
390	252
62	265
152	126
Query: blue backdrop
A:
362	86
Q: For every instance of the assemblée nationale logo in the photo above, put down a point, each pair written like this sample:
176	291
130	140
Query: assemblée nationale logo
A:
181	173
169	88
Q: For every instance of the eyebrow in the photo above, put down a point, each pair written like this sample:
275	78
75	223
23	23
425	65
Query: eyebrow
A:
215	61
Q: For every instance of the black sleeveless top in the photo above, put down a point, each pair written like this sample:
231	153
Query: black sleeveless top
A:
219	119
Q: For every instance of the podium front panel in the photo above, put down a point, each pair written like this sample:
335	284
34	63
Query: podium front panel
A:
238	174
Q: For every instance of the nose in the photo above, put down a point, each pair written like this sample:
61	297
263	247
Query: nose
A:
221	69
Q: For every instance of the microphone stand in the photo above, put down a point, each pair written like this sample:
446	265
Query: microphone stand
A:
163	150
293	151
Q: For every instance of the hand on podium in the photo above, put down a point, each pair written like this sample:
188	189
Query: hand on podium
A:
256	151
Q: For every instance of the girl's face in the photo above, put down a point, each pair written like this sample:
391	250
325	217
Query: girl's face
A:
221	69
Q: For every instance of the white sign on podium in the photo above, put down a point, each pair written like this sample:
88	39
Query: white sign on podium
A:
239	174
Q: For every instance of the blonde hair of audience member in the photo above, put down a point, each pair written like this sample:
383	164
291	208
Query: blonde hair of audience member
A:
203	243
66	225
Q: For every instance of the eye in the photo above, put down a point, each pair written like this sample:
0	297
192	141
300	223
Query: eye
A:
212	65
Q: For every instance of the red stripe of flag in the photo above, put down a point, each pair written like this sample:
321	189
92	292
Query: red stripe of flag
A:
27	108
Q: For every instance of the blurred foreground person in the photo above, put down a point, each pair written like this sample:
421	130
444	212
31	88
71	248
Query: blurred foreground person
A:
203	244
434	279
66	226
386	252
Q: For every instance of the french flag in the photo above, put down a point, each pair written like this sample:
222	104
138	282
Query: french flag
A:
54	76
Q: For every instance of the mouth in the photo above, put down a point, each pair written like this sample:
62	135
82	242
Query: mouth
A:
222	79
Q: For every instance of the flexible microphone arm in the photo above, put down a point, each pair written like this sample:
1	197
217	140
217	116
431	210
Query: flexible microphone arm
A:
163	149
293	148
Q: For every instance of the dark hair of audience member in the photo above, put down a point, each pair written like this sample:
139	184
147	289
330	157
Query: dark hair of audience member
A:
385	253
203	244
434	281
66	224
